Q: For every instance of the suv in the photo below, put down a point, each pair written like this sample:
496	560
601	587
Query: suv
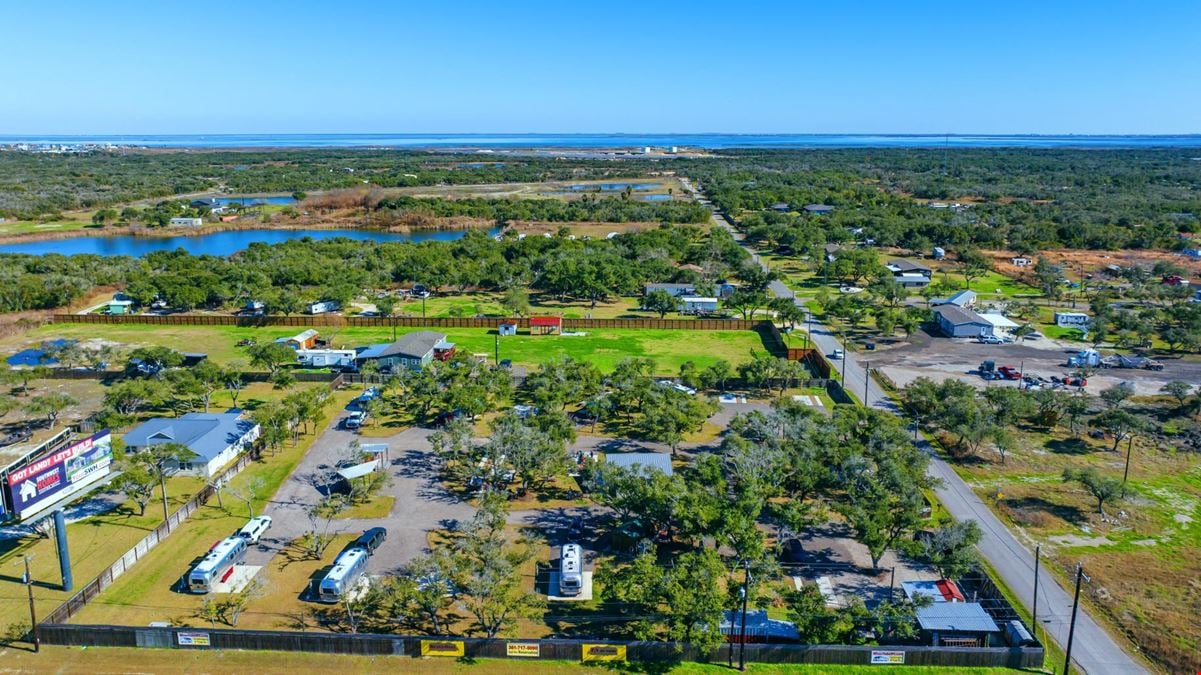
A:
355	420
371	539
254	529
991	340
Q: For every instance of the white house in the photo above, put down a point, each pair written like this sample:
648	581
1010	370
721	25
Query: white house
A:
190	222
1072	319
216	438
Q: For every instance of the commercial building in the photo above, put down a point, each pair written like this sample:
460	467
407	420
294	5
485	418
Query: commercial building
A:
216	438
959	322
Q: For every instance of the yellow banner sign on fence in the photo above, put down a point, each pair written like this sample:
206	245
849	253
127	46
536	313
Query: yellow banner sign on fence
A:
441	648
524	649
604	652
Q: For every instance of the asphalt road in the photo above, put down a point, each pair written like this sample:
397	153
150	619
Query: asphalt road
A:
1093	650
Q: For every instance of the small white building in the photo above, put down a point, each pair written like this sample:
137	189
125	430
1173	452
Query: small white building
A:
188	222
1020	262
1072	319
323	307
691	304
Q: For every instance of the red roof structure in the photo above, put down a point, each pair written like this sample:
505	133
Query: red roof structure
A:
546	321
950	590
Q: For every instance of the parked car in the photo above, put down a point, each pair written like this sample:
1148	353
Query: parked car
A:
506	364
990	340
371	539
253	530
1009	373
355	420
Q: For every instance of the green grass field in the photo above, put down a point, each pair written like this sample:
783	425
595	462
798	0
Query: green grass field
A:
602	347
103	660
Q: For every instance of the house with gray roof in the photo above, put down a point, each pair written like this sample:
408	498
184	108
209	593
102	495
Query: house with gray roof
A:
818	209
413	351
216	438
674	290
957	321
964	298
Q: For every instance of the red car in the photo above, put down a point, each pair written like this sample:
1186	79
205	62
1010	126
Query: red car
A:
1009	373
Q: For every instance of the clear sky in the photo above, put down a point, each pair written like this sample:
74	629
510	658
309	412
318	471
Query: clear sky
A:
737	66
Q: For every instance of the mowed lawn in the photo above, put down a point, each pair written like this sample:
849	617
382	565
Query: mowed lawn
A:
103	660
603	347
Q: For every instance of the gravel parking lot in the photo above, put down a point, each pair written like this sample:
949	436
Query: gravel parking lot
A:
940	358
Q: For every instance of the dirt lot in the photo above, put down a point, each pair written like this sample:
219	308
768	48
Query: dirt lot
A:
939	358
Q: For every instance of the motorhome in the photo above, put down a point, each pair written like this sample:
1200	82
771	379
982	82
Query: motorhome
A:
216	563
348	568
571	578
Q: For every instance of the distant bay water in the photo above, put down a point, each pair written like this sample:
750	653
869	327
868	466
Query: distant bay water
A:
587	141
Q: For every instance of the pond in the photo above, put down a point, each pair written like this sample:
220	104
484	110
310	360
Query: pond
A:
615	187
655	198
216	243
253	201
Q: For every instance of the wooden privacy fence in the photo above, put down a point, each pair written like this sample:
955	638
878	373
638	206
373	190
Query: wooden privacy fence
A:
336	320
93	588
560	650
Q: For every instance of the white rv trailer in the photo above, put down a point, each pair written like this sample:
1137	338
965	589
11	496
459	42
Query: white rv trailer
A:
348	567
227	553
571	565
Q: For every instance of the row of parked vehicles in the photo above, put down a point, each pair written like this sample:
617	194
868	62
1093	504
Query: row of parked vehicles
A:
350	565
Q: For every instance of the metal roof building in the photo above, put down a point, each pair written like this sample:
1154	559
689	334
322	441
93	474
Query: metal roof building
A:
651	460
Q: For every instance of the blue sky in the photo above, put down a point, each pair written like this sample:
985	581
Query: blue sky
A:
739	67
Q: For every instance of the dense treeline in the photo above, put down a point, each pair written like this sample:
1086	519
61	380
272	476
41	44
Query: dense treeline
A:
41	185
1024	199
284	276
589	208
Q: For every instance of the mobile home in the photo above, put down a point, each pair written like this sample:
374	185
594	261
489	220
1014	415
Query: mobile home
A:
695	305
217	563
348	568
326	358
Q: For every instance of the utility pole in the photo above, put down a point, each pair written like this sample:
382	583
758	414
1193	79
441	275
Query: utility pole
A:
1067	658
746	591
867	377
1038	550
1126	471
33	616
496	354
1021	373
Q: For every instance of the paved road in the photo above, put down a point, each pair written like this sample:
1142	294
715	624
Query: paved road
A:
1094	650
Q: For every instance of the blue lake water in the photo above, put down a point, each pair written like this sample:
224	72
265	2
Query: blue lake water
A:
217	243
614	187
251	201
712	141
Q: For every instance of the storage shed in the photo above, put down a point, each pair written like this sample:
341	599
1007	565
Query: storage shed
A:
507	328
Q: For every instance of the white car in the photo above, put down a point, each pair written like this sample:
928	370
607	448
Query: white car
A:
836	354
254	529
990	340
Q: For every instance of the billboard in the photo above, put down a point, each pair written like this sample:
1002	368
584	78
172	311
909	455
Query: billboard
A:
442	648
595	652
60	474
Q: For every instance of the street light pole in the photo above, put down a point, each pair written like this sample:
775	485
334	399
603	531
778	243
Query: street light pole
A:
1067	658
867	377
33	617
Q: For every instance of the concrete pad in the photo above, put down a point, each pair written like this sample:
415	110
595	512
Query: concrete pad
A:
585	588
809	400
238	580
